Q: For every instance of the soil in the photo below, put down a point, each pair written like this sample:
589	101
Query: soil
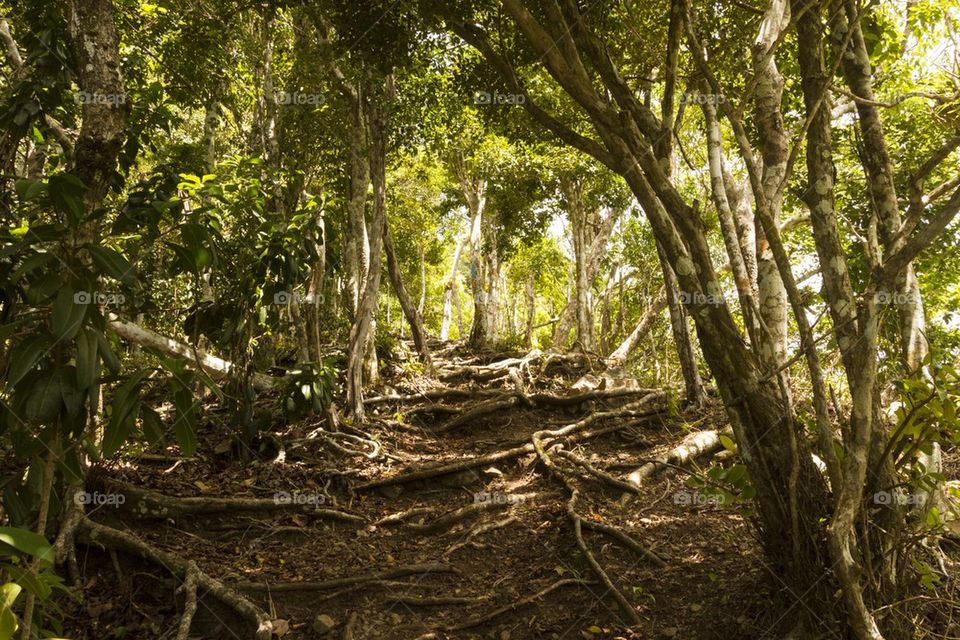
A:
714	584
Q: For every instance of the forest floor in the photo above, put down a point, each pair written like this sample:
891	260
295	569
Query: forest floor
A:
395	540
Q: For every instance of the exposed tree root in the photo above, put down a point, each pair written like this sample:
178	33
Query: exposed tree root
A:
577	523
109	537
482	409
146	504
477	531
513	606
349	581
626	540
636	409
597	473
447	520
692	446
433	601
190	601
402	516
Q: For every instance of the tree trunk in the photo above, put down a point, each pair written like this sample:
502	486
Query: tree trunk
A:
531	306
774	150
643	326
450	289
693	383
363	329
411	313
581	282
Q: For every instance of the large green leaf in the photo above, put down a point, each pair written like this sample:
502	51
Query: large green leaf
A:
69	311
27	542
88	367
123	415
8	621
113	264
44	399
109	358
152	425
25	357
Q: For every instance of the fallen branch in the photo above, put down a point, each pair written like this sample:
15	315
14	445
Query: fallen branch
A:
197	358
105	536
692	446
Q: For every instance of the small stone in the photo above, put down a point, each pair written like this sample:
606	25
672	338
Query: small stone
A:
670	632
324	624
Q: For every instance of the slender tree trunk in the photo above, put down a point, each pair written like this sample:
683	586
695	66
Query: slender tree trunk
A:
364	324
642	328
693	383
579	232
774	150
450	289
413	316
531	302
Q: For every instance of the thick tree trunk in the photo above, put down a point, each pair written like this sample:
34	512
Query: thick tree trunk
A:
774	149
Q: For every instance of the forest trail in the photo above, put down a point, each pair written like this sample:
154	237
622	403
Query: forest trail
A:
458	523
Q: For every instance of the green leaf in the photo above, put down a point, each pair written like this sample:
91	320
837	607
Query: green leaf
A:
728	443
88	367
8	621
123	415
27	190
66	193
113	264
152	425
43	403
27	542
25	357
107	356
68	314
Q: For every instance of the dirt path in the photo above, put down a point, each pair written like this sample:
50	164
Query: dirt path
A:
538	541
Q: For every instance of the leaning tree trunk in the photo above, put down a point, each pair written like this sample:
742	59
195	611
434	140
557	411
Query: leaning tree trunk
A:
410	311
643	326
676	301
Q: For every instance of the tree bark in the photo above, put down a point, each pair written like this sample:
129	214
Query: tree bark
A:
411	312
362	331
450	289
622	352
